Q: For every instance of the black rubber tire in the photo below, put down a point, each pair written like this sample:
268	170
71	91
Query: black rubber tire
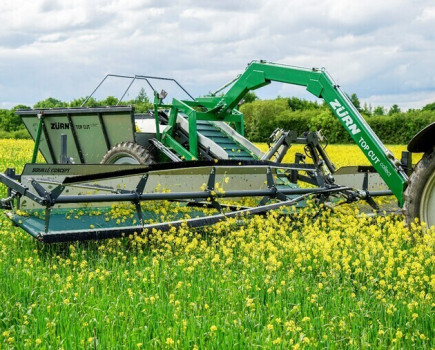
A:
420	185
128	153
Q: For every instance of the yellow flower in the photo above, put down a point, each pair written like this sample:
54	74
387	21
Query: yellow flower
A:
213	328
276	341
399	334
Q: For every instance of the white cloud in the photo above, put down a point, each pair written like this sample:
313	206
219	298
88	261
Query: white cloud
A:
62	49
428	14
405	101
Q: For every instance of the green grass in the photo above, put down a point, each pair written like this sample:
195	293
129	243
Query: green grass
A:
339	281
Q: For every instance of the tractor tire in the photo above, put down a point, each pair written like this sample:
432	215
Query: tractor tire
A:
128	153
420	193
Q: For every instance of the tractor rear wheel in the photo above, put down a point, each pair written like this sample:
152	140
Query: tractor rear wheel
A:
420	193
128	153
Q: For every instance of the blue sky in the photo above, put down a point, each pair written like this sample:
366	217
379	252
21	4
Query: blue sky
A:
381	50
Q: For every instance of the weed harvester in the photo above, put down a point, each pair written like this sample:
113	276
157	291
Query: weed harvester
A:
106	167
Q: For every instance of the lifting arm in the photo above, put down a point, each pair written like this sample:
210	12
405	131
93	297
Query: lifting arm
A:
320	84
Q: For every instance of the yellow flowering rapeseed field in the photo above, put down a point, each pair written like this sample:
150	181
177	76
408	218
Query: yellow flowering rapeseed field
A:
340	280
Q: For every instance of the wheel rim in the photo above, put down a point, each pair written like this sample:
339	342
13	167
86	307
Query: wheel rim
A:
427	204
125	159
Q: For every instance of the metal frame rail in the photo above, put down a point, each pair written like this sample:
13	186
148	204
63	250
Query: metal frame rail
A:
50	198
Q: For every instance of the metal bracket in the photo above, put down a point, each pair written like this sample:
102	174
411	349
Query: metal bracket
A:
406	162
56	193
49	199
369	199
7	203
210	188
47	218
299	158
139	190
321	199
320	179
42	192
279	143
272	186
10	172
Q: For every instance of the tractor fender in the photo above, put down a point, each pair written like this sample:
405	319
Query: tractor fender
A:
424	140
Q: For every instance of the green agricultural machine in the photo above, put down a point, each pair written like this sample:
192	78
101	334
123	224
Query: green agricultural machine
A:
105	166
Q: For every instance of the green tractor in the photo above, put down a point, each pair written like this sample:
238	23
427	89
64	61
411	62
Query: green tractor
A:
99	156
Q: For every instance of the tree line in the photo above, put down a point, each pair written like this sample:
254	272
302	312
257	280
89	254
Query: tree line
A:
392	125
262	117
11	125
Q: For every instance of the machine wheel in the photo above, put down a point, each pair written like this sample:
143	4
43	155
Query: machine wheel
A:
128	153
420	193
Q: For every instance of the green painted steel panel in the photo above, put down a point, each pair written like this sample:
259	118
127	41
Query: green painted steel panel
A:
119	129
31	123
62	220
90	137
90	132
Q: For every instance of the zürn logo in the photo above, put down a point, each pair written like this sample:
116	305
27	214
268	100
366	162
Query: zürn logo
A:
59	126
344	116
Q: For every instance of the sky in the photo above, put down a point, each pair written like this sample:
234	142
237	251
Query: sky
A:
381	50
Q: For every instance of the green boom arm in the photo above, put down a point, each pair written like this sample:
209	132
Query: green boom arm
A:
320	84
